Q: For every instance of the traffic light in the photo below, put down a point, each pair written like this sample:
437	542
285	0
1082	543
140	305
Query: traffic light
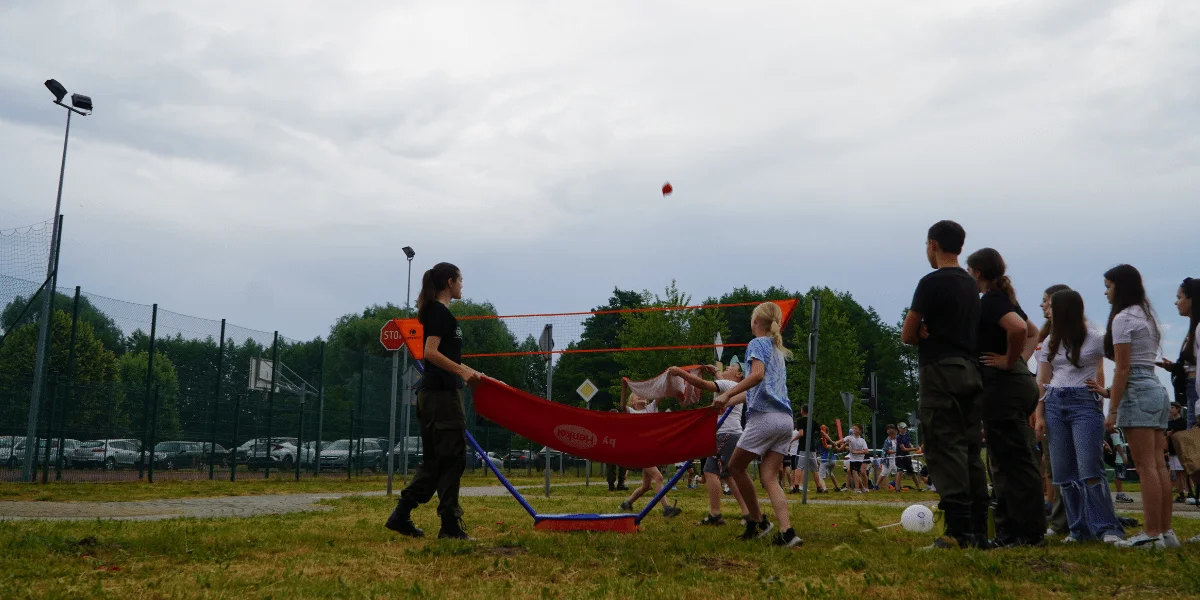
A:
870	393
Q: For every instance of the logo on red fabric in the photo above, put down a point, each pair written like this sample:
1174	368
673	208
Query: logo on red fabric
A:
575	436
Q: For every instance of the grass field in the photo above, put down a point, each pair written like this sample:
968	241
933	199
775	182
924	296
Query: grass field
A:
345	553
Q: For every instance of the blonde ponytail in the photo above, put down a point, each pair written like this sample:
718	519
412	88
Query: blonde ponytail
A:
769	313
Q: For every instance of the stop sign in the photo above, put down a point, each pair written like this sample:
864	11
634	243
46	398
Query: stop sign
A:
390	336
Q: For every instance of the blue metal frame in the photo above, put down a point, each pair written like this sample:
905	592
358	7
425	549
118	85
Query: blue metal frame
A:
678	474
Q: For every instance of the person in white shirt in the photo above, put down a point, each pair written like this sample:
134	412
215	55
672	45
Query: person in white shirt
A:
1072	356
887	466
651	476
858	449
1139	405
716	468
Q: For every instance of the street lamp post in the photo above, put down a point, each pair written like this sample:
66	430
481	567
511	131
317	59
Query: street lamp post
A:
408	253
81	105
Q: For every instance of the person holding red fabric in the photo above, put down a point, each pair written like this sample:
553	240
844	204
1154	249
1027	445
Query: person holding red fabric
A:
651	476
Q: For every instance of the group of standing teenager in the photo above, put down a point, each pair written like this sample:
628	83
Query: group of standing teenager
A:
974	342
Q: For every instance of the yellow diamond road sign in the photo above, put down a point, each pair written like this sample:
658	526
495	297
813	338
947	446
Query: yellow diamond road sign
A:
587	390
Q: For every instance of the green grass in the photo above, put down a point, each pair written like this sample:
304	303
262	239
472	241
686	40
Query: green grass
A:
345	553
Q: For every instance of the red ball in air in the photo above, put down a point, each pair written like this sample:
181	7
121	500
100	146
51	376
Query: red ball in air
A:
667	189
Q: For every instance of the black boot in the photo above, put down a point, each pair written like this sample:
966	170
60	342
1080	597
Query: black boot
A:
401	521
452	528
958	531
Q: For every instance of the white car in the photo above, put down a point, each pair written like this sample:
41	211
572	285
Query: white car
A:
277	452
110	454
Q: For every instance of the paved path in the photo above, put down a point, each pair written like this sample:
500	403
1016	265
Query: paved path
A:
224	506
249	506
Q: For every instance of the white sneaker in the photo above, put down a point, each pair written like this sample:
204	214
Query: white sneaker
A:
1112	538
1194	539
931	488
1191	501
1170	540
1070	539
1141	540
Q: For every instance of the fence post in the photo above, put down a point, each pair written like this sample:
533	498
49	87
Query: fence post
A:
32	448
271	401
212	432
320	411
356	432
350	449
300	433
153	435
233	446
149	383
62	421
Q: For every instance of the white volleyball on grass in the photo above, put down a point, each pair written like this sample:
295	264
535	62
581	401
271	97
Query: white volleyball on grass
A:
917	518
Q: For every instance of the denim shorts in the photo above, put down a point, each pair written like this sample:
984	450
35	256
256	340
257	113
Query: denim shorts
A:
1145	402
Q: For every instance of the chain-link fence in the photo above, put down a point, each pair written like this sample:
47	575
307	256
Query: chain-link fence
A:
138	392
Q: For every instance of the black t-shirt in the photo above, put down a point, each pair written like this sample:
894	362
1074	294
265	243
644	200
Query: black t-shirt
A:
948	300
992	307
440	322
1174	425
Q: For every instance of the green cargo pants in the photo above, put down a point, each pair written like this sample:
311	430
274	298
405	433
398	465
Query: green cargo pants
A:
950	411
1009	398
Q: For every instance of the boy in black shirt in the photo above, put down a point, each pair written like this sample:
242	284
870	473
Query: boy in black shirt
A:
943	322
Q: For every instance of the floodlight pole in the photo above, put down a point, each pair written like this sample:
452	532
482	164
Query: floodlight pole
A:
407	397
40	359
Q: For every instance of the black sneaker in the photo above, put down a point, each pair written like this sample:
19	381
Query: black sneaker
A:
453	529
627	506
671	512
787	539
712	520
751	531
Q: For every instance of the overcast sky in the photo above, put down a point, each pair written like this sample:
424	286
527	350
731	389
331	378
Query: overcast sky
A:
265	161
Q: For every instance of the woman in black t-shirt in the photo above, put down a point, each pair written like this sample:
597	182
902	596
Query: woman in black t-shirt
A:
1005	341
439	408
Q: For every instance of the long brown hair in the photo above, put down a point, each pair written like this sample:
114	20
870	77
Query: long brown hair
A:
1128	290
1191	289
1044	332
432	282
1068	325
991	268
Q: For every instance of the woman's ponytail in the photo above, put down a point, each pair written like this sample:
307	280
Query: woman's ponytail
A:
432	282
991	267
770	313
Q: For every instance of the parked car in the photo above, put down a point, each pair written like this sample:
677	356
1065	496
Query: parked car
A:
518	459
278	452
557	459
414	452
474	459
7	444
110	454
191	455
338	453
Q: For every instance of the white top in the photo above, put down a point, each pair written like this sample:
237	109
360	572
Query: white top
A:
858	447
732	424
651	407
1067	374
1131	326
794	449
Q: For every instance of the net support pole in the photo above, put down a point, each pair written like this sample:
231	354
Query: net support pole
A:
212	427
549	388
271	403
813	337
149	387
487	460
316	457
391	454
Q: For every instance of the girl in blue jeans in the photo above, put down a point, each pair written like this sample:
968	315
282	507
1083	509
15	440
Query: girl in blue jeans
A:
1073	414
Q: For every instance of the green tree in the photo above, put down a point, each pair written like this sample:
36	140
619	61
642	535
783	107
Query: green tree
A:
681	327
839	358
131	369
103	326
94	373
600	331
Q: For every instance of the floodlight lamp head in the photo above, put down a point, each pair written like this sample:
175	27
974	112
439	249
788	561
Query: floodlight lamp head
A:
57	89
81	102
408	251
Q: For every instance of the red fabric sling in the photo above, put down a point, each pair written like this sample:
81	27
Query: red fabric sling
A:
633	441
